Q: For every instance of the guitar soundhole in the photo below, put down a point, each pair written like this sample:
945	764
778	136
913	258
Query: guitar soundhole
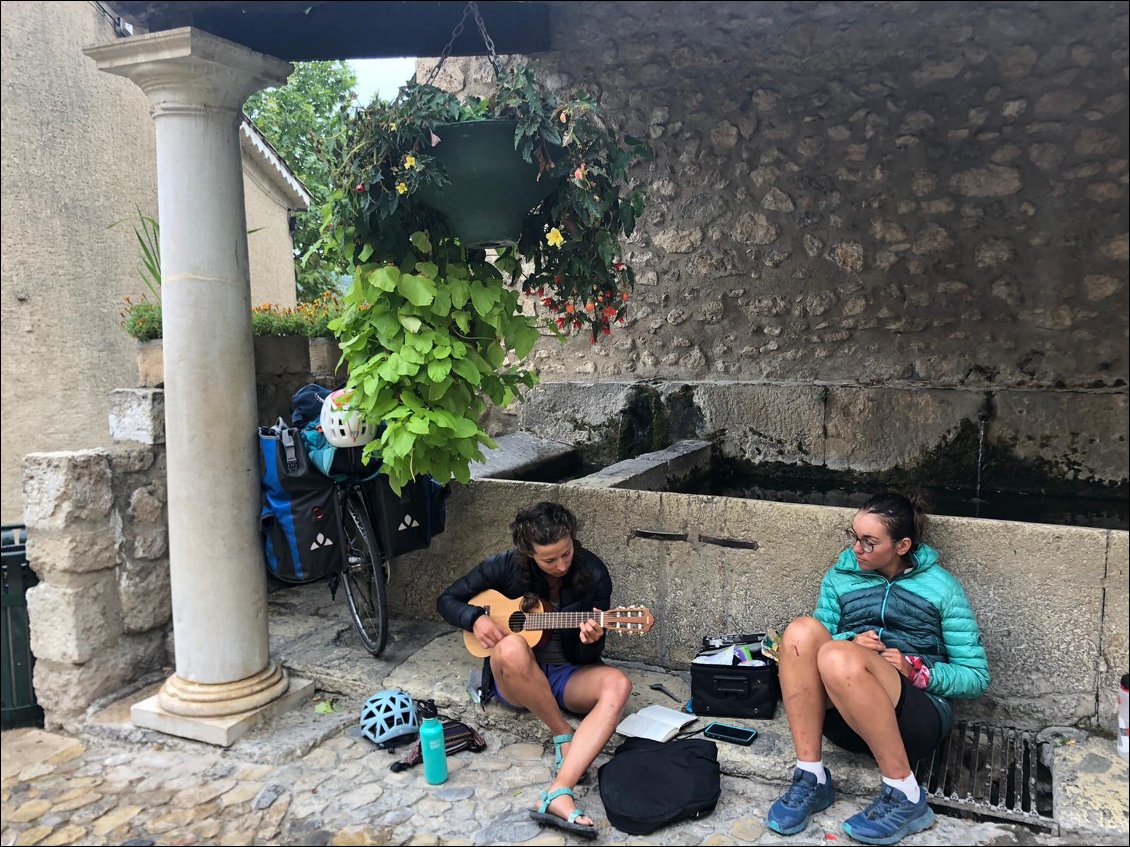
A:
516	621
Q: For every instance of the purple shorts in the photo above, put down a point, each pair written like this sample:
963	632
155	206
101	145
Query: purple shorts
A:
558	676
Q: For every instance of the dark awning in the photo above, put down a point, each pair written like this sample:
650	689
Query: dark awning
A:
356	29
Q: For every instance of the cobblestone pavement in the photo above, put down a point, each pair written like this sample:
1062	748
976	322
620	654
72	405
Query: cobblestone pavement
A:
58	790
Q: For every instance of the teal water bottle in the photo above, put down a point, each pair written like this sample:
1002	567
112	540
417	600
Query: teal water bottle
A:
432	747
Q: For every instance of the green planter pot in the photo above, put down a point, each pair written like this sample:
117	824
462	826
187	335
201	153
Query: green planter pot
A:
492	187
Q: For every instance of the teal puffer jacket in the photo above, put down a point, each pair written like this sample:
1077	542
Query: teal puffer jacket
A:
922	612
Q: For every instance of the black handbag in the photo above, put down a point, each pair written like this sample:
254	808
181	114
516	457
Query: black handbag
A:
735	690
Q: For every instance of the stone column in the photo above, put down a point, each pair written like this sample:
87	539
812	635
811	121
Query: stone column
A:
197	84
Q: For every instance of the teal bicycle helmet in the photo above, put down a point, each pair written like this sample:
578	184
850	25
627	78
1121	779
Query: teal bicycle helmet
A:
389	715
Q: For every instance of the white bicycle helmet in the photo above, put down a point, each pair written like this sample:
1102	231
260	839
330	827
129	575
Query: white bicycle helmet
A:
342	425
388	715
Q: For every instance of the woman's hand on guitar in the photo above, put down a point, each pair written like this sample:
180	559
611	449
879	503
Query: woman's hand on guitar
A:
487	631
591	631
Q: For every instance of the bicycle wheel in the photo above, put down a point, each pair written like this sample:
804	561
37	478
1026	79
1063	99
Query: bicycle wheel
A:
364	575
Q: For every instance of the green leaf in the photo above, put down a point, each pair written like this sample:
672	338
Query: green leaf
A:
465	428
483	298
467	370
419	425
365	253
427	269
325	707
385	278
438	370
442	304
420	242
463	321
523	339
495	355
410	323
460	292
418	290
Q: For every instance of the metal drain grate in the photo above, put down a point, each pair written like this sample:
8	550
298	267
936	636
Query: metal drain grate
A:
992	772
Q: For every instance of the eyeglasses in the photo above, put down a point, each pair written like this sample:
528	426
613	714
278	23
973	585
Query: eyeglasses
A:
865	545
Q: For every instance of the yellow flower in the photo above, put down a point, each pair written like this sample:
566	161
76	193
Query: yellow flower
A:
555	238
409	161
401	188
392	126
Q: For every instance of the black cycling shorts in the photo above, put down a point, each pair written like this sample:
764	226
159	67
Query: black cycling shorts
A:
919	721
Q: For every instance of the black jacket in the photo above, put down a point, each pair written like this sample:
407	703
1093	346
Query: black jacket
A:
502	573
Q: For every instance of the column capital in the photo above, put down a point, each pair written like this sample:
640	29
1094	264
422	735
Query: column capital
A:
188	67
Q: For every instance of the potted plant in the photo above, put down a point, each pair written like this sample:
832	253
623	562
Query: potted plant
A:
433	325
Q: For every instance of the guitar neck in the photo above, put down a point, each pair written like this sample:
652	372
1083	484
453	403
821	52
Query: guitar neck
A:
561	620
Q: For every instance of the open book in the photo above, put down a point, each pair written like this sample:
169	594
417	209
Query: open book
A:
655	722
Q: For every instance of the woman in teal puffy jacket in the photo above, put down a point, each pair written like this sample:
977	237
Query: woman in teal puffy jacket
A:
892	640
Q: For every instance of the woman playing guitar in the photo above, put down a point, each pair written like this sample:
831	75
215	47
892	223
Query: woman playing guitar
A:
564	671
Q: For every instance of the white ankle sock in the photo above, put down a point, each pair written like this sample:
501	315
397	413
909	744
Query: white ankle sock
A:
816	768
908	786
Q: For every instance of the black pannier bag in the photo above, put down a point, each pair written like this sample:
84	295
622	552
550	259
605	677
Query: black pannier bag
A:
298	521
650	784
407	521
735	690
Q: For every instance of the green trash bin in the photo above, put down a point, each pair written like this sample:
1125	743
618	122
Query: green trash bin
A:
19	704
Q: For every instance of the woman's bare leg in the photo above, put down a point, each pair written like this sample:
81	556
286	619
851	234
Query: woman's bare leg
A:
802	689
865	688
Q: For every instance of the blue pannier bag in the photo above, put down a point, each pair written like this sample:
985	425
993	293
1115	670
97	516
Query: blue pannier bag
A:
298	522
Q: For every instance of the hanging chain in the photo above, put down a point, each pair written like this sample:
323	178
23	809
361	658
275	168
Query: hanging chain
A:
472	8
495	63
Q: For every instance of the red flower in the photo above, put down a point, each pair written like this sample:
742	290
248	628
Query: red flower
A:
360	187
609	311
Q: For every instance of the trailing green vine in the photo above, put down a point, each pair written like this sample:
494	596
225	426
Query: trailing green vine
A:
432	329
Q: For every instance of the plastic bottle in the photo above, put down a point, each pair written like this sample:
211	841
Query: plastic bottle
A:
433	748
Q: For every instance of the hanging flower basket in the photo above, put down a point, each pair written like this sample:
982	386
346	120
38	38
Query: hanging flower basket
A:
491	187
434	326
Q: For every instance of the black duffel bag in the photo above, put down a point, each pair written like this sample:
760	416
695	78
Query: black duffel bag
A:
650	784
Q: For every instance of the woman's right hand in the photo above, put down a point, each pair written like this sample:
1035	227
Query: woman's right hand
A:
870	640
487	632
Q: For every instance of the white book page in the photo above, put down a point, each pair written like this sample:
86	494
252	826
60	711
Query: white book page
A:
655	722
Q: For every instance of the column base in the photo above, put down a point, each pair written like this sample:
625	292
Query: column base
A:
209	700
222	730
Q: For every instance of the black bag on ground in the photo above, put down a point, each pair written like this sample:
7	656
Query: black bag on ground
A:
298	522
407	521
649	784
734	690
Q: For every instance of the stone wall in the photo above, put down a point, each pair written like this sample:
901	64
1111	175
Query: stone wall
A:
1056	645
867	194
98	536
98	540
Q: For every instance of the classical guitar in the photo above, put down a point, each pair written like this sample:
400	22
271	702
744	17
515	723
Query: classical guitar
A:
532	625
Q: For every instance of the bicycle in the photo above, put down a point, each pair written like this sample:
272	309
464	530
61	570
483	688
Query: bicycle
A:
321	524
365	568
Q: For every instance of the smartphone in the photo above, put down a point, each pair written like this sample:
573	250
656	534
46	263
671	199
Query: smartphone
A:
733	734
